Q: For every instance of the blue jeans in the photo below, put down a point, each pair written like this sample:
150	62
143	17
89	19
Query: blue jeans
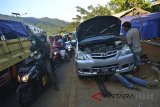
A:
136	80
137	60
123	80
127	79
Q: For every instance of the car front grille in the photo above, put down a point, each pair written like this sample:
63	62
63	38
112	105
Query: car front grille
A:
106	55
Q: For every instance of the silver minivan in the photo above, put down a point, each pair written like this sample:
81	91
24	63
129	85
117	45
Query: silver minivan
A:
99	48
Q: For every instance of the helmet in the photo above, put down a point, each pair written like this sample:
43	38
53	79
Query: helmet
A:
51	39
66	35
33	39
59	36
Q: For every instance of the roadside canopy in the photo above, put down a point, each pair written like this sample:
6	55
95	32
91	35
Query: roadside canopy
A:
148	24
13	29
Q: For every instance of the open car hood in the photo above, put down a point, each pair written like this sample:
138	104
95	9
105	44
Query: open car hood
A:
98	26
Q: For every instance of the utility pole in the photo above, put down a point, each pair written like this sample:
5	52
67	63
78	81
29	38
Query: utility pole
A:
18	15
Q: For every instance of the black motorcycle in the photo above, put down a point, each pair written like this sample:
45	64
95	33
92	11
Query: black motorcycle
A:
33	78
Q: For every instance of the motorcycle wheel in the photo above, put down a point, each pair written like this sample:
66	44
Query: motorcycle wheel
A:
27	96
67	57
71	53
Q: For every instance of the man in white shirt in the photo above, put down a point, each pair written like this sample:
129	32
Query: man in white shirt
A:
133	40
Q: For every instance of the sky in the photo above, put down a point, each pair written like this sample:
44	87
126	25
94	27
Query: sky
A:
61	9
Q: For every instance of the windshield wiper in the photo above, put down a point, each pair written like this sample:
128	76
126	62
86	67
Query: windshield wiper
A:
107	28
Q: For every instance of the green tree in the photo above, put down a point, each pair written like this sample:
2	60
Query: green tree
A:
90	12
147	6
121	5
71	26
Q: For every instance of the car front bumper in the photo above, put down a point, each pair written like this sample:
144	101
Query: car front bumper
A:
105	66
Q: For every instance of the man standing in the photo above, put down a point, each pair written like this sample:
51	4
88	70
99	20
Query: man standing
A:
133	40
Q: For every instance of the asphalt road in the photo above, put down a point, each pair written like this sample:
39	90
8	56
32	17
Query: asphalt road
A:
85	93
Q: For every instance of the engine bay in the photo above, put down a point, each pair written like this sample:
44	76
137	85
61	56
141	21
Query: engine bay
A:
102	47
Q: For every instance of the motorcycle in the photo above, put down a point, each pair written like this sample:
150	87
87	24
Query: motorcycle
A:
69	48
60	54
55	52
33	78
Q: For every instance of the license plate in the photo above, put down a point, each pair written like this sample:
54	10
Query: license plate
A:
104	69
108	70
112	69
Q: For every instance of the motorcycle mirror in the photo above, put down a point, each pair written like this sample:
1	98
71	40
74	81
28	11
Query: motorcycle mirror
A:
35	52
31	55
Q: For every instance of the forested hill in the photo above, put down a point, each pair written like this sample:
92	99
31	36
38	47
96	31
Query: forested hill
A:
50	25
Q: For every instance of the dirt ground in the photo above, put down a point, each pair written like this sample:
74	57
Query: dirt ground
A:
153	54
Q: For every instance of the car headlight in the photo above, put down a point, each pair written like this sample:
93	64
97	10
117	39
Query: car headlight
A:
82	56
125	50
25	78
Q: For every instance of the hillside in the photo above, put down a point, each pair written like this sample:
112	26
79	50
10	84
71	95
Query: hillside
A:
50	25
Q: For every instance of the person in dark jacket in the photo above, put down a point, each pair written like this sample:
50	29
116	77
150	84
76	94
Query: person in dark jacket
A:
66	38
41	44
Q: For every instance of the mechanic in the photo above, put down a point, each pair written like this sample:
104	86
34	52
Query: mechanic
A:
133	40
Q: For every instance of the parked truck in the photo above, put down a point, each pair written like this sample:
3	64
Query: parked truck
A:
12	52
14	48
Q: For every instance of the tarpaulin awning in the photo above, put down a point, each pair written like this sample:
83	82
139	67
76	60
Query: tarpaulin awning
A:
148	24
13	29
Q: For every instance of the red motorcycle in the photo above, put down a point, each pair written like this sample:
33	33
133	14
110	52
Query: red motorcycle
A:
55	52
59	54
